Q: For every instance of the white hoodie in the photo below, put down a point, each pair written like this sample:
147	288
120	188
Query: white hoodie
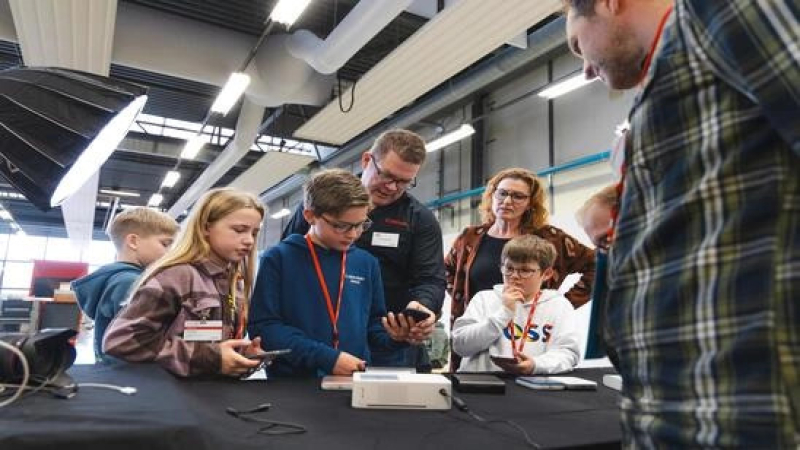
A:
552	342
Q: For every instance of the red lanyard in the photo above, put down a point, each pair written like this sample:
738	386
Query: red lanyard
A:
645	68
332	314
525	330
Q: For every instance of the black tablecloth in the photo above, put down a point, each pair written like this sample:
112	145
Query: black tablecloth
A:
170	413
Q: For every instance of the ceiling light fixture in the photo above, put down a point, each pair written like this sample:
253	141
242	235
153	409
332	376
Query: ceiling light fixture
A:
118	193
287	11
564	86
155	200
171	178
193	146
230	93
282	213
463	131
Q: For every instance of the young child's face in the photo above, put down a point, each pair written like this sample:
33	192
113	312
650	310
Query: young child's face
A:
339	232
233	236
527	277
152	247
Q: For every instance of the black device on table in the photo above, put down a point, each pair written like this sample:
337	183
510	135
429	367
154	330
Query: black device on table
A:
478	383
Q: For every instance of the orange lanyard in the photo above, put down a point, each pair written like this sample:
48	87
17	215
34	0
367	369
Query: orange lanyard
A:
645	68
525	330
333	315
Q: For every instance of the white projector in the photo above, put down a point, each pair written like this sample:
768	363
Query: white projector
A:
388	390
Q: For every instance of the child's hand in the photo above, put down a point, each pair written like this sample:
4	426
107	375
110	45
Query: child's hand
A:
233	364
511	296
421	330
346	364
398	326
524	365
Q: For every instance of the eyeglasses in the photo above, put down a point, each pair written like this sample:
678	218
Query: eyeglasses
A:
516	197
522	272
386	178
344	227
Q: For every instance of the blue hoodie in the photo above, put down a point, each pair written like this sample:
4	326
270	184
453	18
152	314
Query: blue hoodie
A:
102	293
288	309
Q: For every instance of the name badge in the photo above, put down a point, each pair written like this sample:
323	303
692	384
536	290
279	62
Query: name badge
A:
202	330
385	239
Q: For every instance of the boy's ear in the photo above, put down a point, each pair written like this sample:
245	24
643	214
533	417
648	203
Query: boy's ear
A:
547	274
132	241
365	160
309	216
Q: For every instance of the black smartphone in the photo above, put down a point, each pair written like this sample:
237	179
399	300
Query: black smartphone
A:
416	314
268	356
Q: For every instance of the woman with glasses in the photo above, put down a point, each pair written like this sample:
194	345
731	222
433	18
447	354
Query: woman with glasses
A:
513	204
517	326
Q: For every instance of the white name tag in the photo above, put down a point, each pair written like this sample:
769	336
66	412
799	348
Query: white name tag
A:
385	239
202	330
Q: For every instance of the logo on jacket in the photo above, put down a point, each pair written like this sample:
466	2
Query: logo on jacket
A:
533	334
355	279
396	222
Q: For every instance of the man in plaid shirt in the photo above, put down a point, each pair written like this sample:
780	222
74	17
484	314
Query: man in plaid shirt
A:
704	284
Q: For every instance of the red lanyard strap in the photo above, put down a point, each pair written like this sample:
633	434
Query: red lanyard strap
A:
656	39
525	330
333	315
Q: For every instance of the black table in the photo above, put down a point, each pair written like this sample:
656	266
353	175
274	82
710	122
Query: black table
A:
171	413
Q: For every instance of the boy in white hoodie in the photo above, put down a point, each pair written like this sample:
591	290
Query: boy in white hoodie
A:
517	327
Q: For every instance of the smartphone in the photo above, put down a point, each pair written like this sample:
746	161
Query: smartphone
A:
504	359
416	314
268	356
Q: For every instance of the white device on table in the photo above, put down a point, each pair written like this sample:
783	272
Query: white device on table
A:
556	383
613	382
386	390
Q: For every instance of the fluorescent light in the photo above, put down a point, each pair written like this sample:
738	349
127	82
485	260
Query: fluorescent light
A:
20	232
171	178
562	87
230	93
193	146
5	215
155	200
98	151
287	11
282	213
453	136
14	226
119	193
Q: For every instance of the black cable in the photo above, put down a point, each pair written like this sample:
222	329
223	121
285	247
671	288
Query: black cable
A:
461	405
352	95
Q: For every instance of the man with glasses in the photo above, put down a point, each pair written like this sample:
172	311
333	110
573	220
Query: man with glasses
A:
518	327
405	238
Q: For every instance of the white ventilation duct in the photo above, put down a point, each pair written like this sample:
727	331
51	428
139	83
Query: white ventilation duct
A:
363	23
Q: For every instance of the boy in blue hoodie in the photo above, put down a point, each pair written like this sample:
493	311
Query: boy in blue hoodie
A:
319	295
141	236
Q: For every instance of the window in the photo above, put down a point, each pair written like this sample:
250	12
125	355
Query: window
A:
61	249
26	248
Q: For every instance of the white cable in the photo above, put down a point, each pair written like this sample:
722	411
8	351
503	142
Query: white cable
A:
26	373
127	390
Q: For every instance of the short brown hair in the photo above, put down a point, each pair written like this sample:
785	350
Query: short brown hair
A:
333	191
529	248
606	197
409	146
142	221
536	215
581	7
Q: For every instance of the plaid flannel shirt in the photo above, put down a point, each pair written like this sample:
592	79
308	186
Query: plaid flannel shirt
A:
704	298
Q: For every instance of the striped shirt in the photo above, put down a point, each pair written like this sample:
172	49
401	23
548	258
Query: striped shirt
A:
151	327
704	297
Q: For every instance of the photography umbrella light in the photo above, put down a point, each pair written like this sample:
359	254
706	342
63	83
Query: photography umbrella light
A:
58	126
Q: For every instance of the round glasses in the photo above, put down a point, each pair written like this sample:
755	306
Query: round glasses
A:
522	272
344	227
387	178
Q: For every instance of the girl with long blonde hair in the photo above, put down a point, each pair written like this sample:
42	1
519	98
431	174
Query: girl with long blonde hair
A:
189	310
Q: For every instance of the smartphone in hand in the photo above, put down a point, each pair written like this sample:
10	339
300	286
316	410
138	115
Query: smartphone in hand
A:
268	356
417	314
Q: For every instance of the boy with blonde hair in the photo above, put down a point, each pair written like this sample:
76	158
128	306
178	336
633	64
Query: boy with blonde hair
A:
141	236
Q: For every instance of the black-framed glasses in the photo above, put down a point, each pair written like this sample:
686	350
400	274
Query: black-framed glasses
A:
522	272
516	197
386	178
345	227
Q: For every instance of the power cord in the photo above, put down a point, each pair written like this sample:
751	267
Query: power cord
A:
126	390
271	427
462	406
26	374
